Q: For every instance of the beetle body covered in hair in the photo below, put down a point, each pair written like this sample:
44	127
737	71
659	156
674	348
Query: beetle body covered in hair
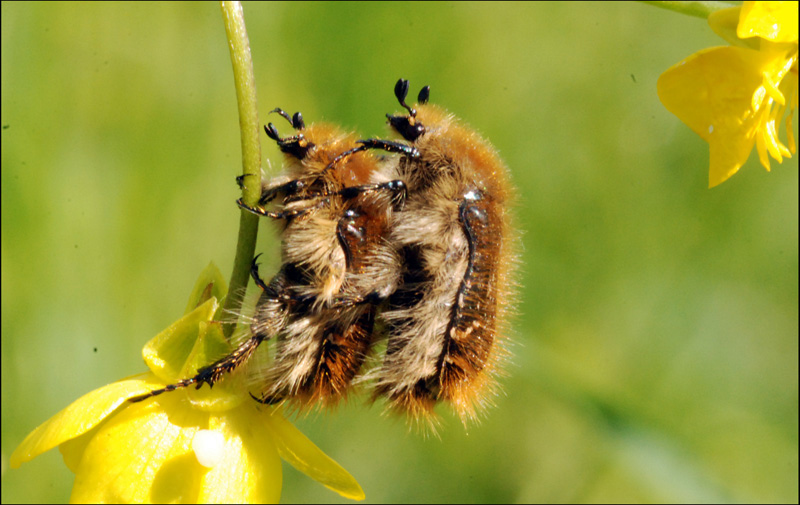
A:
446	319
337	267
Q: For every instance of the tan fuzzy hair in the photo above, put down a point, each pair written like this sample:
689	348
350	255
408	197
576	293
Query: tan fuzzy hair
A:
447	321
319	309
337	249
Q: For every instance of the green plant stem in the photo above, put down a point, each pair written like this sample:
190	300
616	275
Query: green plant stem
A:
244	80
697	9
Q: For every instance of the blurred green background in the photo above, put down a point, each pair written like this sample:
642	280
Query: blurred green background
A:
656	347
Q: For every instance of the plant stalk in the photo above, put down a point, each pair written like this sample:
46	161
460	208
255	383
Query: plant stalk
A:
245	83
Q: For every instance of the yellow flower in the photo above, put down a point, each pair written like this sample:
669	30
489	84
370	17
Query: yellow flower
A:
189	446
735	97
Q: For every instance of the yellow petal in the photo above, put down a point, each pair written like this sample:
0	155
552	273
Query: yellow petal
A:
774	21
301	453
725	22
142	455
209	283
167	353
712	92
80	417
250	471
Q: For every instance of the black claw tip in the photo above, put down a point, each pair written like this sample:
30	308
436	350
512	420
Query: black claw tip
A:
240	179
254	274
283	114
272	132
